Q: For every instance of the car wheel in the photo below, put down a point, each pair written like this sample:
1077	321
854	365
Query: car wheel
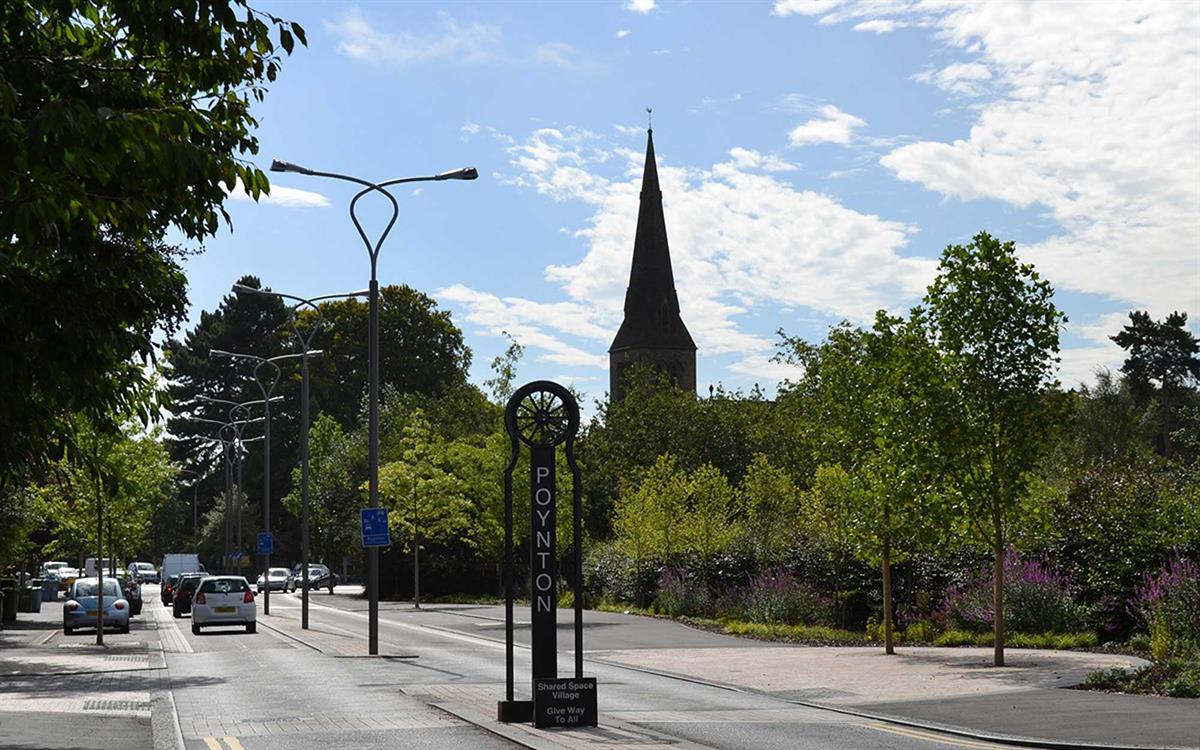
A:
176	613
331	590
195	629
252	627
68	631
124	629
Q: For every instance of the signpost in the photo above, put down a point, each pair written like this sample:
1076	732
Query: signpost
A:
374	524
266	543
544	415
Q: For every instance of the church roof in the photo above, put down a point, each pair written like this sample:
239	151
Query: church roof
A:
651	305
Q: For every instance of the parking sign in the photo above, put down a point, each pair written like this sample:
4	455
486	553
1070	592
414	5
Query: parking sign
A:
265	542
375	528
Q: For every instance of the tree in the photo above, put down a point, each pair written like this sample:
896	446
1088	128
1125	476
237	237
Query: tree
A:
504	371
710	521
426	502
996	325
337	468
1163	354
121	122
769	501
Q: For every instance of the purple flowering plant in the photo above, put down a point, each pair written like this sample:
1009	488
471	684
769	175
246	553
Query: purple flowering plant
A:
1037	599
1168	605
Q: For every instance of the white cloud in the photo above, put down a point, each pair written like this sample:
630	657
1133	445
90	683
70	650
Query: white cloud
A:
622	33
804	7
640	6
558	54
762	369
1096	121
285	196
745	158
832	125
467	130
879	26
958	78
361	40
741	241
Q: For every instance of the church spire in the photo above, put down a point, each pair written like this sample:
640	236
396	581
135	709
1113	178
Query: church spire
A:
652	328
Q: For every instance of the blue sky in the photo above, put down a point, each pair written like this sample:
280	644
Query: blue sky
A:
815	159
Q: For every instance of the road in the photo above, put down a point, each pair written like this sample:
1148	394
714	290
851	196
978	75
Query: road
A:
267	691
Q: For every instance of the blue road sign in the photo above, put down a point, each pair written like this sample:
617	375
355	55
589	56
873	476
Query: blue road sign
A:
265	542
375	528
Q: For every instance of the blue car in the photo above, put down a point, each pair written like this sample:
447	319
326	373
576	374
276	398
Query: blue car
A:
79	610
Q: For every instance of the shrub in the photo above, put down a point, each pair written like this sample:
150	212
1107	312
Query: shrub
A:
682	595
1175	678
1036	599
776	596
955	637
820	634
921	631
1168	604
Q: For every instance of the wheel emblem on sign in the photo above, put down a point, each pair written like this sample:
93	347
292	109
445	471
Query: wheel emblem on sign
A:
542	419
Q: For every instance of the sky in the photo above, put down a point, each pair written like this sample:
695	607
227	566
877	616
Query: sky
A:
816	156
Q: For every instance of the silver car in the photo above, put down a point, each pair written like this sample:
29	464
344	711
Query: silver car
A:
79	610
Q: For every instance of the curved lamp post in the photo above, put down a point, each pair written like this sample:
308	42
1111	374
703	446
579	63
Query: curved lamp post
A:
373	248
304	341
266	375
195	488
239	417
233	428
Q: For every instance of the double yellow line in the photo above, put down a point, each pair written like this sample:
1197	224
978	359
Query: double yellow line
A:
215	744
940	739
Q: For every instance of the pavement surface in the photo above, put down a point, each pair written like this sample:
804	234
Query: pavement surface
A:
441	671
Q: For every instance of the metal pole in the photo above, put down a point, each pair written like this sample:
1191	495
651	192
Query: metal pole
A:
266	524
373	461
228	506
241	503
304	489
99	553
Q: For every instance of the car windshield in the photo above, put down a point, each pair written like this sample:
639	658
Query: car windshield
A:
189	582
143	566
88	588
224	586
278	572
172	580
55	565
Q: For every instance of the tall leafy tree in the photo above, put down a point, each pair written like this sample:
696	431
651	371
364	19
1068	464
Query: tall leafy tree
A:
769	501
119	122
1163	360
996	324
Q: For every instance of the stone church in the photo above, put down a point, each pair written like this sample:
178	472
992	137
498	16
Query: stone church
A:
652	332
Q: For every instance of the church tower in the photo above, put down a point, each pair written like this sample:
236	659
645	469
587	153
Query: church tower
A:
652	332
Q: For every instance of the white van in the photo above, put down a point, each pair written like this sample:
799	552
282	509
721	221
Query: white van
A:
178	563
89	567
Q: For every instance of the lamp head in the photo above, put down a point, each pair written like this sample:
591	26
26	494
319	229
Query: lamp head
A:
465	173
243	288
278	165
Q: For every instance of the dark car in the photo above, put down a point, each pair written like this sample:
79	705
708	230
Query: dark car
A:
167	591
319	577
184	591
132	589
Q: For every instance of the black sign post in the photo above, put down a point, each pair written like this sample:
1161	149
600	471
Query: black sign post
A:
544	415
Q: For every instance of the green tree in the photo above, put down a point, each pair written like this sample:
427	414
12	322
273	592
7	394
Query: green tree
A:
1162	354
994	319
710	523
769	501
337	468
426	502
121	121
504	371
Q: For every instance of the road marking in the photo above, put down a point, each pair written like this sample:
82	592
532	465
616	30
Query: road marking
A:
212	743
233	743
936	738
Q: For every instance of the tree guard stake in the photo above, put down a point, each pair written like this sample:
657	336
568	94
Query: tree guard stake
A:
544	415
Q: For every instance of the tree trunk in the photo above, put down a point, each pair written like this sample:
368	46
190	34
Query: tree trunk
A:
417	573
998	587
1166	429
889	646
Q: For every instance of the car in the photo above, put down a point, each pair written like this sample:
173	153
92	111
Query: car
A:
67	576
144	572
184	591
280	579
50	569
224	600
319	577
166	591
79	610
133	594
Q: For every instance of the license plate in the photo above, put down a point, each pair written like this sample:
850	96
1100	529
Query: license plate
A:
226	609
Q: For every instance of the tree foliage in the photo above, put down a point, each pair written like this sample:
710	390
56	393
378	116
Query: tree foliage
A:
119	122
1163	360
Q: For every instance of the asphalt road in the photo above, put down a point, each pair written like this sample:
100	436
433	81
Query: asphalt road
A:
461	647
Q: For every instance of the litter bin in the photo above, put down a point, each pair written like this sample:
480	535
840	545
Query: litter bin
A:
49	589
11	599
31	598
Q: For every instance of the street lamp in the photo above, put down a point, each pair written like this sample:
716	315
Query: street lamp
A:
465	173
267	386
234	429
195	488
306	350
239	413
